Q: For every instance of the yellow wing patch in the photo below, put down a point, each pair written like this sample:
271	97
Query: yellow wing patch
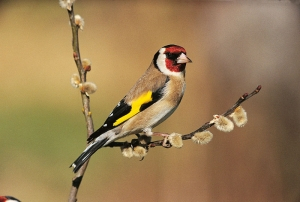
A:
135	107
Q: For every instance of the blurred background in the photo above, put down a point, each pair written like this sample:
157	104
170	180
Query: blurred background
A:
234	48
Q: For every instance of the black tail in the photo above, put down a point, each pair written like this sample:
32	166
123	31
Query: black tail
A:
87	153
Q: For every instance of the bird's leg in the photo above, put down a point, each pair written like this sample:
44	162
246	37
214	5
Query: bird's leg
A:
165	141
148	132
160	134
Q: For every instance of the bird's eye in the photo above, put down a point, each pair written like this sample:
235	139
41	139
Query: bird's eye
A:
170	56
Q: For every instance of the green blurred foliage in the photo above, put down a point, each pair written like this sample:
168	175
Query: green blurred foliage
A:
234	47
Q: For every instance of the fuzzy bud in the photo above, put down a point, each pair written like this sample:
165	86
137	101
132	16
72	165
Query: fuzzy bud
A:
239	116
75	80
175	140
222	123
79	21
66	4
202	137
127	152
86	64
139	151
88	87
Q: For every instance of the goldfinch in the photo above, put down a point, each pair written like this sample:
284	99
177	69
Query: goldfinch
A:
153	98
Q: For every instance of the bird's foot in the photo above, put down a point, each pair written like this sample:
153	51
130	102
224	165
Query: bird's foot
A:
166	142
148	132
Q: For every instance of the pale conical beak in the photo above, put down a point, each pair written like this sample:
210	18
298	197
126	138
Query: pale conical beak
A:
183	59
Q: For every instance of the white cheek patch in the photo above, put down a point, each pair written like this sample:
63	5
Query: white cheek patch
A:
161	63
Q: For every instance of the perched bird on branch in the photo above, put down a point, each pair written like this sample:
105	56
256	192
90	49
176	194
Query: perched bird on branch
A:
153	98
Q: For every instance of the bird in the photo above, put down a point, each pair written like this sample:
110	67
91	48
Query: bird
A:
153	98
8	199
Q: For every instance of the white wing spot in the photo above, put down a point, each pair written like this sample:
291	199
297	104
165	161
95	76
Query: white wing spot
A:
111	115
118	105
104	125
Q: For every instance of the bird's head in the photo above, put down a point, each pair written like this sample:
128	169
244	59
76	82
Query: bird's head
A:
171	59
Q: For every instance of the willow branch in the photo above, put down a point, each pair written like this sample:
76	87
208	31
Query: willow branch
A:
207	125
188	136
85	102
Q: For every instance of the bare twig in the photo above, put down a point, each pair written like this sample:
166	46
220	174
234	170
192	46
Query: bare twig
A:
85	102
